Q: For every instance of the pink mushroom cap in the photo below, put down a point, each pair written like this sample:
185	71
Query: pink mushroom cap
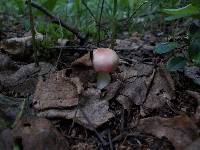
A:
105	60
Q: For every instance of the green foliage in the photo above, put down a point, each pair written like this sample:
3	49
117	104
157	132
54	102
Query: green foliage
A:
162	48
176	63
194	49
190	9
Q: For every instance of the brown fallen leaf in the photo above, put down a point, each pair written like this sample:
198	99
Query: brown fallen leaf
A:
194	145
180	130
32	132
57	91
7	63
85	60
17	45
135	85
24	79
161	91
91	108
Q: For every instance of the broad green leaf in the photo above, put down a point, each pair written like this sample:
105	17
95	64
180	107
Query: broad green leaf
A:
187	10
162	48
176	63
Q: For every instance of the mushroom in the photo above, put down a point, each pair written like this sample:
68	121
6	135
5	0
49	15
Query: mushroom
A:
104	61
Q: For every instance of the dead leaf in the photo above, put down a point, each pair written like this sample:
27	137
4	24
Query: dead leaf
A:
24	79
135	85
180	130
57	91
193	73
161	91
34	132
85	60
194	145
7	63
18	45
91	106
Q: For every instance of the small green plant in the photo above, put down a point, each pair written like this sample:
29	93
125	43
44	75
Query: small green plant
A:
193	51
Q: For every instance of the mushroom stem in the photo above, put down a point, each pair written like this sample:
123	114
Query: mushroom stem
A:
103	79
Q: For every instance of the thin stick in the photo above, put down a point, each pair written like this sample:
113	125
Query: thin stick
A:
93	128
110	140
99	27
33	33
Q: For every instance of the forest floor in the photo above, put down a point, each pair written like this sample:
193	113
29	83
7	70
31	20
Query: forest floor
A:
58	106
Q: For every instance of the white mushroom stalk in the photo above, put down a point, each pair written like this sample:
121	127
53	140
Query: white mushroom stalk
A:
105	61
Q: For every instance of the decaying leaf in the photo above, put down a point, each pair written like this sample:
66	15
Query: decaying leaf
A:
180	130
161	91
7	63
92	112
85	60
33	132
24	79
17	45
57	91
135	86
193	73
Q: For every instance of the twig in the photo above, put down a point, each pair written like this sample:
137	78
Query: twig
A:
110	141
60	53
99	27
58	21
93	128
33	33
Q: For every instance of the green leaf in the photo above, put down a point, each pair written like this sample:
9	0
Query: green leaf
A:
176	63
162	48
187	10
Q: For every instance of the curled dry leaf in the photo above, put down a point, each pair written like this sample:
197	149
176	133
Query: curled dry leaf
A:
85	60
180	130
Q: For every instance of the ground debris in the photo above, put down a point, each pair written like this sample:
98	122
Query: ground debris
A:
60	96
33	132
24	79
180	130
